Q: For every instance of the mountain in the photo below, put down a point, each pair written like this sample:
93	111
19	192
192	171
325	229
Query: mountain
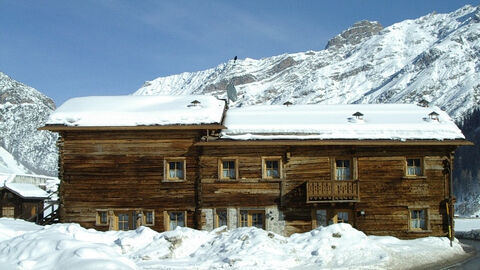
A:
435	58
24	149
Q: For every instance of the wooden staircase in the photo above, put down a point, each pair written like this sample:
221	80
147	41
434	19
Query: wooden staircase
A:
50	214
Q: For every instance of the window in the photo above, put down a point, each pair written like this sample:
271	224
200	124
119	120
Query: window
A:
325	217
414	167
342	217
175	169
228	169
176	219
252	218
221	217
8	211
321	217
149	218
343	169
123	221
271	168
126	220
102	217
418	219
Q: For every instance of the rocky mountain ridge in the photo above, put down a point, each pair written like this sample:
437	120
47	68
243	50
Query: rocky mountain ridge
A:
22	110
435	57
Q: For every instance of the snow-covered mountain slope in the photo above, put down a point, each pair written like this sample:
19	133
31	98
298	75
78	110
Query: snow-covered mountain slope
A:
435	57
8	164
22	110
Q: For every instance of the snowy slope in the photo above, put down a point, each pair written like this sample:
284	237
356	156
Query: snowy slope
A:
8	164
22	110
435	57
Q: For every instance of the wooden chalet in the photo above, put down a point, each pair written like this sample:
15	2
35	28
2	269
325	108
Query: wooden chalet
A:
164	161
21	196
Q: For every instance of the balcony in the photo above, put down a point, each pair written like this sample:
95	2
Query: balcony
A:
333	191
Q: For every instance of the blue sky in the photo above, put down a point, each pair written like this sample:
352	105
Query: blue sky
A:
106	47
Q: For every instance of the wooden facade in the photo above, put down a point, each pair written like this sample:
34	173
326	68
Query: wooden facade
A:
176	176
15	206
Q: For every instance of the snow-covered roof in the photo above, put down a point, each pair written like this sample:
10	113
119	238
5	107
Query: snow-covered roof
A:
325	122
27	191
262	122
28	186
96	111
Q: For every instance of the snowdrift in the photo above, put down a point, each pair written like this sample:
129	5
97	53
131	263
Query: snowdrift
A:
25	245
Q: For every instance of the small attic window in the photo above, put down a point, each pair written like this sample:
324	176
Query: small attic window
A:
194	103
433	115
358	115
288	103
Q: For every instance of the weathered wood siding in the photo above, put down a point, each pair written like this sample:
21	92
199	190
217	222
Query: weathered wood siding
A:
117	170
24	208
386	195
125	170
249	190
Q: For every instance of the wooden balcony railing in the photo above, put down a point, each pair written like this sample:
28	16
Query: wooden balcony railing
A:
333	191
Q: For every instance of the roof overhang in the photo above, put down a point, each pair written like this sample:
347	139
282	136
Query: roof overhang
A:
40	198
459	142
59	128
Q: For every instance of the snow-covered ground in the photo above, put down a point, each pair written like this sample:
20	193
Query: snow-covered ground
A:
24	245
467	224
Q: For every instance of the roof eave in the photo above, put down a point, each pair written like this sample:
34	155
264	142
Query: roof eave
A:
58	128
24	197
370	142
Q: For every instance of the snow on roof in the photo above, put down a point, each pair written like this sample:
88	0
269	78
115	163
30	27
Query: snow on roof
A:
355	121
28	186
138	111
27	191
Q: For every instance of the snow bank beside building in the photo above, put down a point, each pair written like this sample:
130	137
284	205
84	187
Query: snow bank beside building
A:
24	245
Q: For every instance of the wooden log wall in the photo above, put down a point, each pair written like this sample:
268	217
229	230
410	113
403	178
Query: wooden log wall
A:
125	170
250	189
24	208
386	195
